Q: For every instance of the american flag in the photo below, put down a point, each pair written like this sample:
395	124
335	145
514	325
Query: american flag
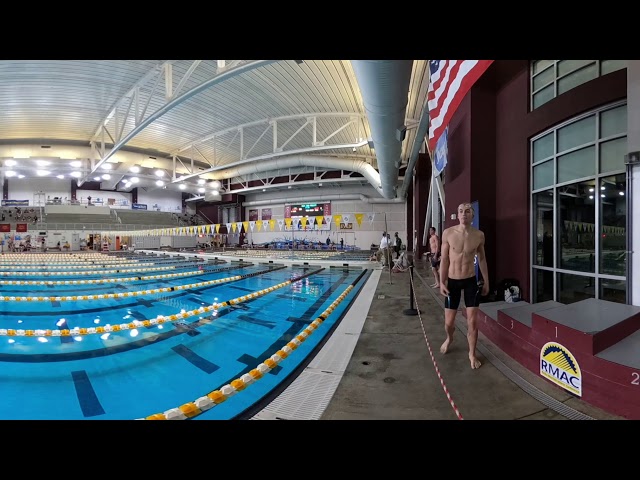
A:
449	82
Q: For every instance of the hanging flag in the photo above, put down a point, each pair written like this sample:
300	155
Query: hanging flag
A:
319	219
370	217
441	153
272	224
228	228
280	223
359	218
252	224
449	82
303	221
245	224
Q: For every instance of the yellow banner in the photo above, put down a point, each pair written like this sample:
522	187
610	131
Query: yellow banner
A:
259	225
233	227
287	221
303	221
319	219
217	225
246	226
272	224
207	228
337	219
359	217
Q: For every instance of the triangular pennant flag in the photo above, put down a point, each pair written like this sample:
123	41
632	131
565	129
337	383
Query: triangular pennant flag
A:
288	222
319	219
217	225
208	228
337	219
346	218
228	228
303	221
252	224
272	224
311	221
359	218
370	216
234	226
260	224
280	223
245	224
327	219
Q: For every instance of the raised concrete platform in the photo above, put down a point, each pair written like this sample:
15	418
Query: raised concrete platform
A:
589	326
603	336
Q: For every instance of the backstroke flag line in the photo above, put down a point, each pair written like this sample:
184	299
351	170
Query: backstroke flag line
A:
449	82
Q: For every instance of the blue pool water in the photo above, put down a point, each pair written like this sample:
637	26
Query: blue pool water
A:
146	370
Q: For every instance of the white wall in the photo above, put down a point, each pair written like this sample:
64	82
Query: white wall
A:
122	199
26	188
167	200
362	236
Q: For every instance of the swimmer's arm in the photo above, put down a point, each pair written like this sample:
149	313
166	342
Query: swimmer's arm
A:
444	258
482	260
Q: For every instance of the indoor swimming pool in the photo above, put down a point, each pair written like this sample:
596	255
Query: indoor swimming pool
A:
133	336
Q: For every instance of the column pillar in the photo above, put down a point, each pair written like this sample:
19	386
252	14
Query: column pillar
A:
633	203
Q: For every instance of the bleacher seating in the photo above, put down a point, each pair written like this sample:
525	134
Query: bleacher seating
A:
84	218
146	217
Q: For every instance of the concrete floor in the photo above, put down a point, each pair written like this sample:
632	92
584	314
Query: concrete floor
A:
391	374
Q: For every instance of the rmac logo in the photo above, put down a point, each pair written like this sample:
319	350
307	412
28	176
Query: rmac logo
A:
558	365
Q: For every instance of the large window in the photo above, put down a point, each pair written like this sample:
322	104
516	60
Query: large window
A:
579	211
550	78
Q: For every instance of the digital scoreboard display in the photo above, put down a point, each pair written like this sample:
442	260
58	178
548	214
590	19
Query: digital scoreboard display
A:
307	209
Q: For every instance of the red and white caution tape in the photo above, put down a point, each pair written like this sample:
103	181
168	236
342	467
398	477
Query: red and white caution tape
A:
435	364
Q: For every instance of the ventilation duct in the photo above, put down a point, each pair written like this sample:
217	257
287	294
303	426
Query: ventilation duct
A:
384	85
360	166
321	198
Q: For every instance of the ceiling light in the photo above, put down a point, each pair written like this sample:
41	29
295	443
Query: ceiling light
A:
60	176
76	164
42	163
201	181
10	173
160	173
10	162
106	176
201	190
182	186
160	183
134	169
42	173
216	184
20	176
107	166
76	174
215	192
134	180
97	179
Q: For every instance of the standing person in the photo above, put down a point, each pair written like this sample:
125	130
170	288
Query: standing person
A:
384	249
397	245
434	249
460	245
